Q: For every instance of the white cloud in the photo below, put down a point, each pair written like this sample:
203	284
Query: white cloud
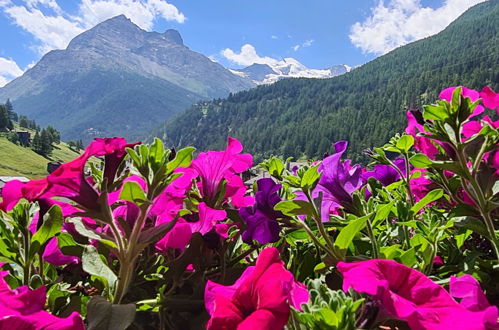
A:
402	21
306	43
247	56
141	12
274	37
8	70
55	30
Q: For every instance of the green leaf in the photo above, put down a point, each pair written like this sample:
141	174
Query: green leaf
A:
382	212
104	315
156	151
348	233
82	230
183	158
435	112
408	258
461	238
294	207
155	233
52	223
51	226
68	245
135	157
420	161
472	224
430	197
310	178
405	143
94	265
132	192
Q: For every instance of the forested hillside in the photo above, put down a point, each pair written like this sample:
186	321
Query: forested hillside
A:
302	117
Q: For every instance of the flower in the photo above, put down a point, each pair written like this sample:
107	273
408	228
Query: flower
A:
260	298
385	174
468	289
215	166
113	150
421	143
22	308
490	98
261	224
411	296
202	222
338	181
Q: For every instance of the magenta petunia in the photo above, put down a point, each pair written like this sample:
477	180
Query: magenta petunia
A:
215	166
260	298
202	222
468	289
409	295
421	143
490	98
23	308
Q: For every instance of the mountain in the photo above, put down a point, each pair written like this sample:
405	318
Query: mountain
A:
116	79
287	68
302	117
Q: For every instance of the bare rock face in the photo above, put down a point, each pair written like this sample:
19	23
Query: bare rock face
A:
117	79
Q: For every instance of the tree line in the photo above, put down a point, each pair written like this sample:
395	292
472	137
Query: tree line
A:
43	140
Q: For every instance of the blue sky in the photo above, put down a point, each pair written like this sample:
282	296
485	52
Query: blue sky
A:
236	33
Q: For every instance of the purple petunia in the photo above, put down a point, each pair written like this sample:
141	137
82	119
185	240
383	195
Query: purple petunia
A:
261	218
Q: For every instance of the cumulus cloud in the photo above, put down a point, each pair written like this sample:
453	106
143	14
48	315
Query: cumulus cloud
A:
274	37
54	28
399	22
307	43
8	70
247	56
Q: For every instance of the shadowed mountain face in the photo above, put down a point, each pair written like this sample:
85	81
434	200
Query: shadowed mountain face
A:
116	79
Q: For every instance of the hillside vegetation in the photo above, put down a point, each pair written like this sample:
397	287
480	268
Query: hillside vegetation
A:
302	117
21	161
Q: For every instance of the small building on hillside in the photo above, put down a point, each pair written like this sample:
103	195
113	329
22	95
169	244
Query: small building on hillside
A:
24	138
5	179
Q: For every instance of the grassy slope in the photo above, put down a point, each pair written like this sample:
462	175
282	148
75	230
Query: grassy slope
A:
19	161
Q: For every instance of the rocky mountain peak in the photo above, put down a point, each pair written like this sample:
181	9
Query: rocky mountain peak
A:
174	36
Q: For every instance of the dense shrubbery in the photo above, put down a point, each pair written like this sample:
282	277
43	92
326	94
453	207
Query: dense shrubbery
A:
157	239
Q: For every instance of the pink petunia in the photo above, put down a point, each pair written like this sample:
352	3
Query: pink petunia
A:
23	308
421	143
490	98
260	298
215	166
202	222
409	295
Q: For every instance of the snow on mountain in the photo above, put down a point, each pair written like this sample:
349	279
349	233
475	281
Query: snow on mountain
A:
287	68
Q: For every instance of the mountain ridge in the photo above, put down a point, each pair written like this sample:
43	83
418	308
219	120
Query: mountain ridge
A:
112	57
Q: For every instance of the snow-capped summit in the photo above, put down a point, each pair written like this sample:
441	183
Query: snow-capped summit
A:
287	68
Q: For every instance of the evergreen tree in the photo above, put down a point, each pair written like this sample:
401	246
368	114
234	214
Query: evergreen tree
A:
5	122
79	145
55	136
36	144
46	144
10	109
23	121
